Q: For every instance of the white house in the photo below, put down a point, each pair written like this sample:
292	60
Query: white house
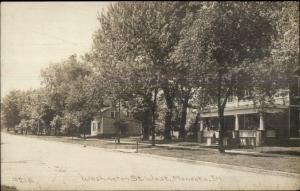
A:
106	123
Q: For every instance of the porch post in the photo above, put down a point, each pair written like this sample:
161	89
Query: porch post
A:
235	133
200	131
236	128
261	122
259	140
201	125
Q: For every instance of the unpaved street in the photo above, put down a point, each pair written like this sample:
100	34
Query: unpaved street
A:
33	164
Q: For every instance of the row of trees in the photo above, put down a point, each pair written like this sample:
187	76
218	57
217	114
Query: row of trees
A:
192	50
178	54
58	107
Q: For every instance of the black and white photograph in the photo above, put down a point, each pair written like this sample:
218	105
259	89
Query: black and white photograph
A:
150	95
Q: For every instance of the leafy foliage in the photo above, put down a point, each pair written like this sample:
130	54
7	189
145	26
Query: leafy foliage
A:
159	58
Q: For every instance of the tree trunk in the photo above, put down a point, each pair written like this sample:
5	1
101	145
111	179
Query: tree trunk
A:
84	137
169	98
38	127
48	131
168	123
154	116
182	132
220	113
221	108
146	124
83	126
196	127
73	132
221	129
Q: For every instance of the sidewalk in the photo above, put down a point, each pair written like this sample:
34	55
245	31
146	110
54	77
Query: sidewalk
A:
256	151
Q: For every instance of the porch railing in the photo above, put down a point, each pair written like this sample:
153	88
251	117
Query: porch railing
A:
208	134
247	133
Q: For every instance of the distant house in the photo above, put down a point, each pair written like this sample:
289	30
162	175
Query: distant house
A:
106	123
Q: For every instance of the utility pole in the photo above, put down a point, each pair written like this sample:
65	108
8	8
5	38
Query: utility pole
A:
38	126
119	131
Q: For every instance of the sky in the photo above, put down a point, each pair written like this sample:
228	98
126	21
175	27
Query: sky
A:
35	34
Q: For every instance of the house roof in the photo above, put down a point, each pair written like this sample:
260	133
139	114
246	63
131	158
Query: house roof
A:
105	109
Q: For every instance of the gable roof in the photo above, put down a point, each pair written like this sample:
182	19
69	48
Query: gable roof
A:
105	109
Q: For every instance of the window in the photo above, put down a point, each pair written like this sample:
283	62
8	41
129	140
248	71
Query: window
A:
231	96
210	123
249	121
116	115
112	114
129	115
247	94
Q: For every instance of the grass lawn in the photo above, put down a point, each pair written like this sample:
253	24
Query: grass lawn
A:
285	163
278	163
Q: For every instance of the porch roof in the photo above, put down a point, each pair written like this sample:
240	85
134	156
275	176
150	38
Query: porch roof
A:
242	110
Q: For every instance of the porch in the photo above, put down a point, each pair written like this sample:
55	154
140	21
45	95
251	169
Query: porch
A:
245	128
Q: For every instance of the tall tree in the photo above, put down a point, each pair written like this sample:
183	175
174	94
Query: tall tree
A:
286	59
56	124
188	76
11	109
123	63
229	38
148	30
71	89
